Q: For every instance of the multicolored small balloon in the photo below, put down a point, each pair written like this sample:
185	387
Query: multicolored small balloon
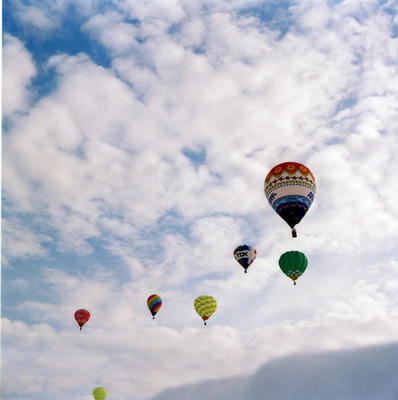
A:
100	393
245	255
293	264
82	316
205	306
290	189
154	303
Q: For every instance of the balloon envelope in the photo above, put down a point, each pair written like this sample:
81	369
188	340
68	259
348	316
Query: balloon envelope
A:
245	255
99	393
154	303
290	189
205	306
82	316
293	264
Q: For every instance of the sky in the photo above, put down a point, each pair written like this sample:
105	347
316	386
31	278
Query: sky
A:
136	139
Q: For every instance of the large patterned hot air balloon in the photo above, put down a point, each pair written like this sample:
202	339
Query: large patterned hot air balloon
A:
245	255
99	393
290	190
205	306
293	264
154	303
81	317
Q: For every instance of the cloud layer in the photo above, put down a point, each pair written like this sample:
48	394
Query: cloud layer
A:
365	373
140	174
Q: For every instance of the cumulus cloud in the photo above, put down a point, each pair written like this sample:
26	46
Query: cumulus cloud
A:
154	168
18	70
42	19
105	120
364	373
119	35
34	16
121	334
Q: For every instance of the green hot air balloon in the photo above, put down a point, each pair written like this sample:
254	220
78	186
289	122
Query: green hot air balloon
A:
293	264
99	393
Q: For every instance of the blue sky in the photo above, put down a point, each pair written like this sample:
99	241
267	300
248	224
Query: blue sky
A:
137	136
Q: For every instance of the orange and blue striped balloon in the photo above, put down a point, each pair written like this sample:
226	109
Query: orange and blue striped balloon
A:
154	303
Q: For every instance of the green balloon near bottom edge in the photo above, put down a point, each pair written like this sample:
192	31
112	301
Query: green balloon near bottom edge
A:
99	393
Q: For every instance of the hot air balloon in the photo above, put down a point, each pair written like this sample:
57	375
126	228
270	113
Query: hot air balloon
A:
154	303
81	317
245	255
99	393
293	264
290	189
205	306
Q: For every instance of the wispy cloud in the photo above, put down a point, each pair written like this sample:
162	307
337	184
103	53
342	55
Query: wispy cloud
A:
21	241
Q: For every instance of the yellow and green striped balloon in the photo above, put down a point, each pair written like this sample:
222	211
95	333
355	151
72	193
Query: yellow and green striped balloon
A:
205	306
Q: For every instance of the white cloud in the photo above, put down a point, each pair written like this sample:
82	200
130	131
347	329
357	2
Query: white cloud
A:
102	159
119	36
170	10
44	17
121	340
19	241
18	70
353	374
35	17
